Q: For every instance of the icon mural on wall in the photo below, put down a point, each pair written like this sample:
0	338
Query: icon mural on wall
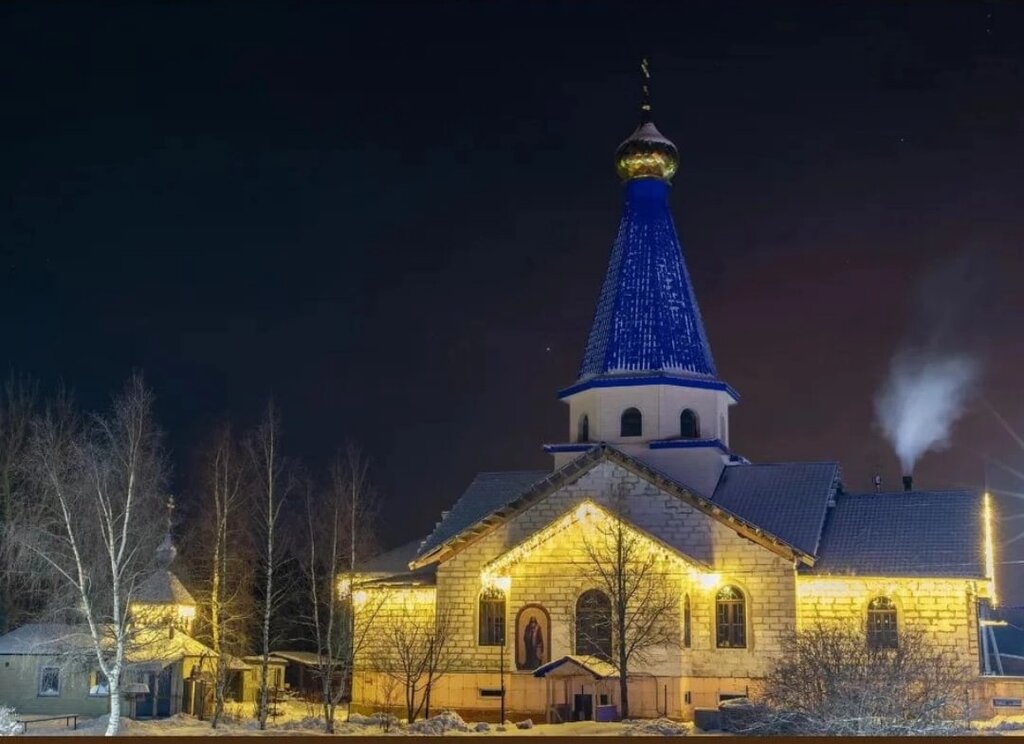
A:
533	633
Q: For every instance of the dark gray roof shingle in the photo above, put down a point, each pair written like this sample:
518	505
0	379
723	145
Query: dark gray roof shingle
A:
487	493
788	500
916	533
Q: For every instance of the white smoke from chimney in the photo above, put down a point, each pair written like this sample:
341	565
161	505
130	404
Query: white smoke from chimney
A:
934	372
922	398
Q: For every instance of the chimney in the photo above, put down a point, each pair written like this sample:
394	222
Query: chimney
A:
878	483
908	483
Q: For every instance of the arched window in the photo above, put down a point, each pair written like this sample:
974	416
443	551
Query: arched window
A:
492	617
686	621
632	423
583	430
882	623
730	612
689	424
594	624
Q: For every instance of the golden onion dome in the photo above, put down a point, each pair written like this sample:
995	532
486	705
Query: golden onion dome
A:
647	153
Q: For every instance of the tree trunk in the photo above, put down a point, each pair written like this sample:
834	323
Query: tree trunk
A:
218	690
114	722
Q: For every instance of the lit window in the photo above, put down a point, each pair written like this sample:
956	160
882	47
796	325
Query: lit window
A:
98	685
632	423
689	424
594	624
882	623
583	430
492	617
49	682
730	612
686	621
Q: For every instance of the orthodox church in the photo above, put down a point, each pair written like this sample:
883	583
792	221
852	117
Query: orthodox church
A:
746	553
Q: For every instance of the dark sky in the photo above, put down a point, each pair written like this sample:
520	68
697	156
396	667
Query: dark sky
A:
395	217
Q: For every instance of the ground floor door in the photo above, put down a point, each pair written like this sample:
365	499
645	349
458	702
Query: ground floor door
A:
157	704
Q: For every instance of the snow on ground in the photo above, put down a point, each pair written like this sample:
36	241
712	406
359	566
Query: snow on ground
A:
300	719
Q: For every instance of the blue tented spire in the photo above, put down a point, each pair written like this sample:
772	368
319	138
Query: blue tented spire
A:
647	318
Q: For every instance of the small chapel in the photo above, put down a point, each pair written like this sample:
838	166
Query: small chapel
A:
646	493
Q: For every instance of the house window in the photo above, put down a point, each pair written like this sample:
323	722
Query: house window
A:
583	430
882	623
686	621
689	424
632	423
49	682
98	685
730	611
594	624
492	617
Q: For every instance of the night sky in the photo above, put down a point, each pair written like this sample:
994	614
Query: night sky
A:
395	217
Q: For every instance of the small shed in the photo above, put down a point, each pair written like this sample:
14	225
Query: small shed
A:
579	688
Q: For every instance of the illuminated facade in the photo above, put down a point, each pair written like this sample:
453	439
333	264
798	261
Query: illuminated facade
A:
751	551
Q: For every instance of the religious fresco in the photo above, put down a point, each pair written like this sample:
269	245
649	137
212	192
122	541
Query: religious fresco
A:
533	633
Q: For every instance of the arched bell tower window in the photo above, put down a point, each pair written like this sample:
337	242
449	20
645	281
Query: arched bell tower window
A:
583	429
632	423
689	424
882	631
731	618
594	624
492	617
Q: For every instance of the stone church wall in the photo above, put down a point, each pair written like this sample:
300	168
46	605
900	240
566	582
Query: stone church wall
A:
943	609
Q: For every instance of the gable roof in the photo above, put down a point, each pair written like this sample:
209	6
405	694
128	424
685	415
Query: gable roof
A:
470	524
486	494
577	665
148	644
916	533
787	499
584	510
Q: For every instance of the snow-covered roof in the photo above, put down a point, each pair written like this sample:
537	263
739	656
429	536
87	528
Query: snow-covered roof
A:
43	638
163	587
575	666
647	317
148	645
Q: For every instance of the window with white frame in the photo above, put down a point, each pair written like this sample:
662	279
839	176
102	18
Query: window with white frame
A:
49	682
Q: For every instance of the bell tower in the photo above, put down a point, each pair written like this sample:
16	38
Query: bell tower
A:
647	383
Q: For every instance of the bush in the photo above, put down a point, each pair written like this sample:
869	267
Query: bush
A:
9	725
830	682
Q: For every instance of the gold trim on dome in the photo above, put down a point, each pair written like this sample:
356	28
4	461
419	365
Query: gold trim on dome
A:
646	162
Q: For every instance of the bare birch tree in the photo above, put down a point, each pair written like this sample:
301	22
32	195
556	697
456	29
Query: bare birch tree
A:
19	592
271	485
92	518
644	614
222	557
339	525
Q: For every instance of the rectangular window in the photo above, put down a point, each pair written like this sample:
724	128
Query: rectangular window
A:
49	682
492	620
732	628
98	685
